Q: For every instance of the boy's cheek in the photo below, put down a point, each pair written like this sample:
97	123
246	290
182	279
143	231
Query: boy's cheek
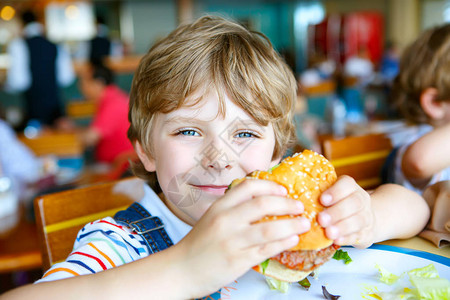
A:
257	158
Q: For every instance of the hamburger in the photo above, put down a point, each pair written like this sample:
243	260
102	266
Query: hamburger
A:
305	176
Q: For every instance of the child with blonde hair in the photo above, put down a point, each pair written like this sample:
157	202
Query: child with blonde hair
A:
210	103
422	94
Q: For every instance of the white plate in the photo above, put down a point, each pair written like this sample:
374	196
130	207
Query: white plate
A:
351	281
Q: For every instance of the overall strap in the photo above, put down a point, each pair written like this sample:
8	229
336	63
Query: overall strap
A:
151	228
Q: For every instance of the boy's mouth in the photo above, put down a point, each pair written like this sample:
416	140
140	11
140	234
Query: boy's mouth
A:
212	189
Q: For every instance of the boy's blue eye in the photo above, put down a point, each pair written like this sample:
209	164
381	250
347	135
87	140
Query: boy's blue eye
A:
189	132
245	134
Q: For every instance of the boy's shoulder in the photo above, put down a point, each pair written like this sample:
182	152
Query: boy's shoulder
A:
108	227
109	231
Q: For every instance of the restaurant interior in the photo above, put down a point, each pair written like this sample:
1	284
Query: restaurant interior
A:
344	54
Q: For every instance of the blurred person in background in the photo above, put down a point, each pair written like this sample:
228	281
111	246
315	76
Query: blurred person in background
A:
360	67
17	161
19	169
390	63
421	93
108	130
39	68
100	45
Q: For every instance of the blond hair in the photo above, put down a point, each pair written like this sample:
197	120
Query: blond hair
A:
213	52
424	64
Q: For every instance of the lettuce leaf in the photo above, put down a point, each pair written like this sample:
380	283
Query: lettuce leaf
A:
428	283
304	283
342	255
273	168
274	284
427	271
264	265
386	276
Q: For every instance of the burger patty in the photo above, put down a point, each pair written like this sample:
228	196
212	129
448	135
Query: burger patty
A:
306	260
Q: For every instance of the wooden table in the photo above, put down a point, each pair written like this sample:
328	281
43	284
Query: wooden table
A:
19	249
418	243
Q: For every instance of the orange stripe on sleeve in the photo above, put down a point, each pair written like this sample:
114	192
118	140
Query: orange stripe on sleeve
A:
59	270
103	254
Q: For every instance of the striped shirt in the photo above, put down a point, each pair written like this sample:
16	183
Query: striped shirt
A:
105	244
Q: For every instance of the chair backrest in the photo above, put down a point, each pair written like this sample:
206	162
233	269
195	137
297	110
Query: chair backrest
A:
59	216
81	109
361	157
60	144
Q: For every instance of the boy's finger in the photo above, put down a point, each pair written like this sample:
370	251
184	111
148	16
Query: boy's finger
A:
263	251
347	227
251	188
260	207
354	240
342	188
343	209
268	232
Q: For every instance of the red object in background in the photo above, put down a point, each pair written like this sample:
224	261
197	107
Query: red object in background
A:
363	30
339	37
317	38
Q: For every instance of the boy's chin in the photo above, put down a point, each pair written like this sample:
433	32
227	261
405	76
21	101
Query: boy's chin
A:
198	209
190	204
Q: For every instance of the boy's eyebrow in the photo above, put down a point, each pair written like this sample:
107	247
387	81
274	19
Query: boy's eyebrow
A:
180	119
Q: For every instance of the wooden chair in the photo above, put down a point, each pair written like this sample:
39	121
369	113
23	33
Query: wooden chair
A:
59	216
361	157
60	144
81	109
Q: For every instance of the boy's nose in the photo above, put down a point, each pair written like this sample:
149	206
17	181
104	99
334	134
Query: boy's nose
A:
215	157
218	165
220	161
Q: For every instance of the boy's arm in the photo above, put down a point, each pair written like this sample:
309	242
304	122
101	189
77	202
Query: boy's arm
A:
154	277
399	213
224	244
427	156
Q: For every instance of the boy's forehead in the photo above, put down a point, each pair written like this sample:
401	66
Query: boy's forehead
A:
208	107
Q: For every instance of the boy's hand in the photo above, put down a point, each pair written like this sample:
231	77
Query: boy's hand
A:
227	240
348	218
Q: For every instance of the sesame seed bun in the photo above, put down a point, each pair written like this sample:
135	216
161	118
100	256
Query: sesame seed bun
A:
305	176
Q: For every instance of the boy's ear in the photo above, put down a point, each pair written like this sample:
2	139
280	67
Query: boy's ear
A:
147	161
433	108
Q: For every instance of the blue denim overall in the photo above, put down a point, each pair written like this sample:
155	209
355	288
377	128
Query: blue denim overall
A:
151	229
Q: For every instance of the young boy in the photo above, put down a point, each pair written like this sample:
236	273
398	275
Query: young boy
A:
210	103
421	91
